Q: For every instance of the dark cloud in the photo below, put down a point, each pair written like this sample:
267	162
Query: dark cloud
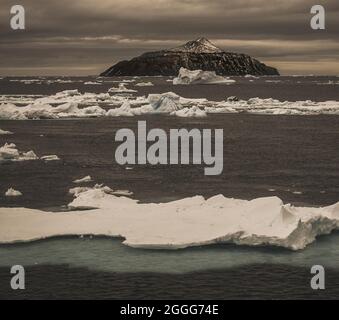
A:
84	37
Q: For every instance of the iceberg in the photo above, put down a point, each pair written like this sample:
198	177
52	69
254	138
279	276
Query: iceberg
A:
166	102
200	77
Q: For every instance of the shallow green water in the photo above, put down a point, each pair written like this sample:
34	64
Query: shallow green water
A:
105	254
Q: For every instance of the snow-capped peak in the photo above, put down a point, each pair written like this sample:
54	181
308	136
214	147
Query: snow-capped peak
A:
200	45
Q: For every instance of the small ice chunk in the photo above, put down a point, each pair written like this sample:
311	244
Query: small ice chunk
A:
121	89
52	157
13	193
144	84
83	180
4	132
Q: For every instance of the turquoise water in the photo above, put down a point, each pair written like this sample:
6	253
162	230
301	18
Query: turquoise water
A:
105	254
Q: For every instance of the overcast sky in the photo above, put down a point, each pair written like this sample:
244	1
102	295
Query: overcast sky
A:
84	37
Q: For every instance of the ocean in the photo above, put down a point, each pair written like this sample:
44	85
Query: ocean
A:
294	157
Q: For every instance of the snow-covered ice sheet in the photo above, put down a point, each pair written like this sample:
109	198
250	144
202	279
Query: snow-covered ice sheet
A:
179	224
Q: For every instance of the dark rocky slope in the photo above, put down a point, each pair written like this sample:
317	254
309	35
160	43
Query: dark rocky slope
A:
199	54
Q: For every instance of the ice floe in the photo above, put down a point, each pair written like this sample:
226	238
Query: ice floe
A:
179	224
121	89
200	77
9	152
144	84
51	157
193	112
92	83
83	180
4	132
41	110
13	193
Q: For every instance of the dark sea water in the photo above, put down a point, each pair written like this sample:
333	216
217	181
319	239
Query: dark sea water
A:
296	156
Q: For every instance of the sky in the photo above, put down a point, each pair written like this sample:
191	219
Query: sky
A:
85	37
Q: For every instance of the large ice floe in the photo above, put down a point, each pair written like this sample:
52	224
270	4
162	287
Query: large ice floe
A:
179	224
200	77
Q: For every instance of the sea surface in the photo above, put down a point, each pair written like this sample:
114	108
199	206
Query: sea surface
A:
293	157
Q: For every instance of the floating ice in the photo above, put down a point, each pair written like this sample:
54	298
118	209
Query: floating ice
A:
124	111
39	110
52	157
88	83
193	112
179	224
83	180
199	77
13	193
4	132
121	89
166	102
144	84
9	152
